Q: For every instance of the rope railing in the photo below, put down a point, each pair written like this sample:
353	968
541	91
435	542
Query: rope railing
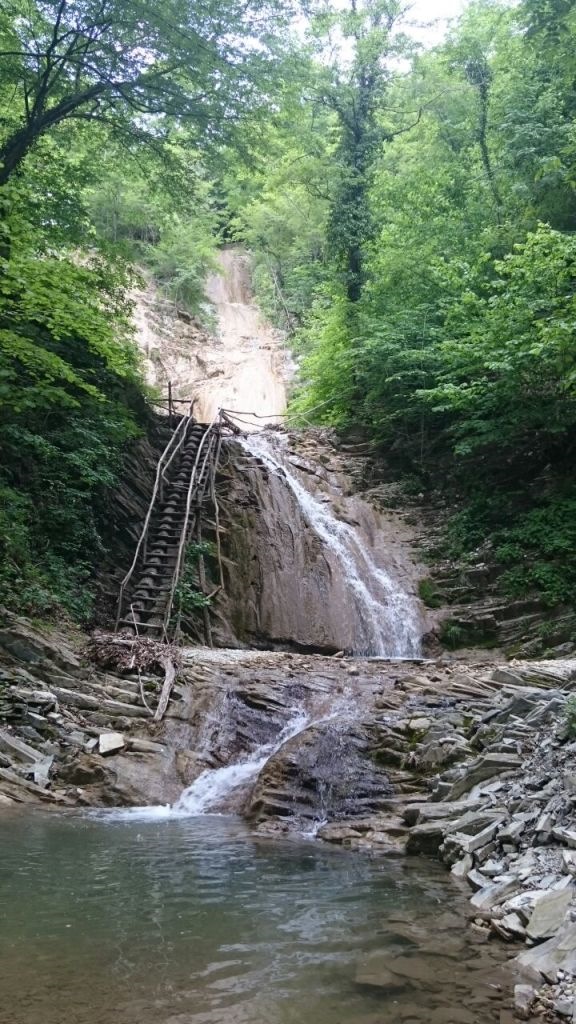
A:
203	472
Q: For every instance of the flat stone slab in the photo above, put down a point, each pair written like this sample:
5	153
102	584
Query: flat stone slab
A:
486	767
141	746
17	749
558	953
426	838
549	913
495	893
373	970
110	743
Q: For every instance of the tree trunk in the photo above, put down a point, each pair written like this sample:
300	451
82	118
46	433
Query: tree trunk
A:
18	145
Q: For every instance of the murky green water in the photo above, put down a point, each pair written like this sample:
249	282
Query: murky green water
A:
194	921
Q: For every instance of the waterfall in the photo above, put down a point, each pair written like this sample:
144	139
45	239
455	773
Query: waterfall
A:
389	616
211	790
213	786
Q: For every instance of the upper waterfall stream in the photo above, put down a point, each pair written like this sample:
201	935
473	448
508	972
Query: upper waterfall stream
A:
388	615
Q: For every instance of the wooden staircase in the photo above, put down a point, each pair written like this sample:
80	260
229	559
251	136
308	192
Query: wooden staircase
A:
184	484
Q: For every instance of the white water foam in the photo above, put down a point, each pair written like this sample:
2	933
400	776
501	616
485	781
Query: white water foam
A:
389	615
213	786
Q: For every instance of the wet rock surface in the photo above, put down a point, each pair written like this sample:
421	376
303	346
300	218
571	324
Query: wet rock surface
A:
71	734
288	587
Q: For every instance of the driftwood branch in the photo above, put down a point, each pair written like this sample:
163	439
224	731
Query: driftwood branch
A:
169	678
215	505
127	654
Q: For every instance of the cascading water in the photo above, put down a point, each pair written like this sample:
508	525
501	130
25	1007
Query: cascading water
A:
389	617
376	614
389	626
211	789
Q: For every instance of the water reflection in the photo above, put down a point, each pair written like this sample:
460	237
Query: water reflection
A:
195	921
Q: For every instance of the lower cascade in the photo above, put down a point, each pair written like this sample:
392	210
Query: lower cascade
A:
389	620
212	788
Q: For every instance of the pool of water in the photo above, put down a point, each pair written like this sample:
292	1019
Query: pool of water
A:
197	921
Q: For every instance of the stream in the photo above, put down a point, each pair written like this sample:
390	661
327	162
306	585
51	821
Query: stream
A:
197	921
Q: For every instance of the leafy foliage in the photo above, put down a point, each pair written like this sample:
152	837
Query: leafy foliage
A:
411	224
459	355
70	398
131	66
110	115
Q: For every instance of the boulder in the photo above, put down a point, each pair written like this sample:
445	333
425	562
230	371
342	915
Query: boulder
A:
495	893
465	843
524	903
512	924
524	996
565	1008
485	767
558	953
16	749
461	868
426	838
421	812
566	836
83	771
419	724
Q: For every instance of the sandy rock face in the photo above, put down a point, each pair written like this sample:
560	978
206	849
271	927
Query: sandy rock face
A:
240	363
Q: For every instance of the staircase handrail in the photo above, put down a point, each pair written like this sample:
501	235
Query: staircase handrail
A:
208	439
182	427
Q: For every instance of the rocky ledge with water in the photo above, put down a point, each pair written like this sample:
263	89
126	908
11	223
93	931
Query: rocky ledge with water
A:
470	763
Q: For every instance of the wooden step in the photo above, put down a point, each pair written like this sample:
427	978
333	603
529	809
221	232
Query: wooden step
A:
153	586
142	625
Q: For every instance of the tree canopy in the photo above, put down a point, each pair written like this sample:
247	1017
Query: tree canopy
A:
131	65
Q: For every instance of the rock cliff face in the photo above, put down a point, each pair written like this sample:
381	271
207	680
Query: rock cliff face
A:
311	565
239	363
127	507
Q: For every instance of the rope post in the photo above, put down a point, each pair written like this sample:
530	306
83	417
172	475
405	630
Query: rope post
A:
170	405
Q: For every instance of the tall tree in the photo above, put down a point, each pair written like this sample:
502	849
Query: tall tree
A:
354	87
132	65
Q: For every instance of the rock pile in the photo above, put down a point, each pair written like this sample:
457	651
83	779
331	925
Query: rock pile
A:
483	775
59	719
505	821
